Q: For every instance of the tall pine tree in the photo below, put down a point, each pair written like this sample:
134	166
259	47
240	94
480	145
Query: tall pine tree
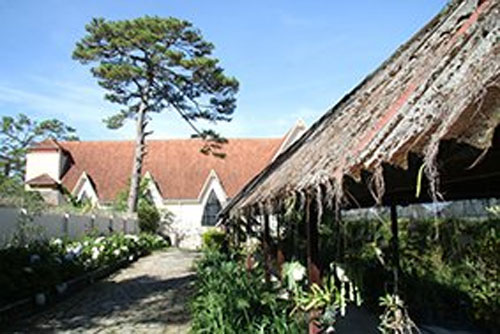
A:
152	64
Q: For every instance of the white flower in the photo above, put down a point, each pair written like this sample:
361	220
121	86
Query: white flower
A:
77	249
251	245
131	258
124	248
341	274
298	273
131	237
284	295
73	251
116	252
56	242
95	253
98	240
101	248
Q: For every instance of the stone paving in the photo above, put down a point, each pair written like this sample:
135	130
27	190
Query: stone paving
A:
150	296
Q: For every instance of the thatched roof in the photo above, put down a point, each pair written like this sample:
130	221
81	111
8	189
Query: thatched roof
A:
437	97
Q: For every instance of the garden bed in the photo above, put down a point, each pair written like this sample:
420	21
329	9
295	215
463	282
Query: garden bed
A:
42	273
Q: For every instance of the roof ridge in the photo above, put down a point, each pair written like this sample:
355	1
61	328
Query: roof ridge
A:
117	141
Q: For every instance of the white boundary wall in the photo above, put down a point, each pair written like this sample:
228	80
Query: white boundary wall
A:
70	226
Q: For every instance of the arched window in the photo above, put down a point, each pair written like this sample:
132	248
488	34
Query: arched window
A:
211	210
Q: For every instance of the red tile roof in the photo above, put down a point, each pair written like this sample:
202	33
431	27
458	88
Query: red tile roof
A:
42	180
177	166
48	144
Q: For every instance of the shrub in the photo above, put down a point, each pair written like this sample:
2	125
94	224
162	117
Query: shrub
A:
458	260
149	217
40	266
230	300
213	238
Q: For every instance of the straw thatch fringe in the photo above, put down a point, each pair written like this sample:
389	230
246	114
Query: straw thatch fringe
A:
319	202
431	170
329	194
338	194
302	199
376	185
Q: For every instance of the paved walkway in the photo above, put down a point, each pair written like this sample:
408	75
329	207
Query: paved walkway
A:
148	297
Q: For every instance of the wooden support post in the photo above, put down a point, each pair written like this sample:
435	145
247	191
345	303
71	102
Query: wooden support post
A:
339	241
248	228
236	232
280	256
267	247
313	267
395	246
250	259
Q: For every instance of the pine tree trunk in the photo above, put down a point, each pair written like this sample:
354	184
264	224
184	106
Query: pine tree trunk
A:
137	162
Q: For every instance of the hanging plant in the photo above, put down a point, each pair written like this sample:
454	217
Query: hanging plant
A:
395	319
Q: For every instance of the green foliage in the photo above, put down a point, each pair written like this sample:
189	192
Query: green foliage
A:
73	204
40	266
13	194
158	63
395	318
18	133
30	204
449	267
152	64
213	238
148	217
319	297
120	202
231	300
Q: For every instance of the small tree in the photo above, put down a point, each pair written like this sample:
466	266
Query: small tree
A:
151	64
17	134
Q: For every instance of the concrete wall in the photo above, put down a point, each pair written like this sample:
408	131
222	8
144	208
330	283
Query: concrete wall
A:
64	225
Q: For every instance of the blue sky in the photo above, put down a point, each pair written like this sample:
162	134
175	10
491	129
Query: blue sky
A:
294	59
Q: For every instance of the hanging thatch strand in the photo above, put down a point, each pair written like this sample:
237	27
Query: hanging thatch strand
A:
319	202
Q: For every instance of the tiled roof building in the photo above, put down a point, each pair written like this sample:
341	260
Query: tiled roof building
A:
182	179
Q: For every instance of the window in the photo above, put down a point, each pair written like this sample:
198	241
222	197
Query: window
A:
211	210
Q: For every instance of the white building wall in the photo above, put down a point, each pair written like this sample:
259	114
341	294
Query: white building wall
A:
38	163
88	190
57	225
186	229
